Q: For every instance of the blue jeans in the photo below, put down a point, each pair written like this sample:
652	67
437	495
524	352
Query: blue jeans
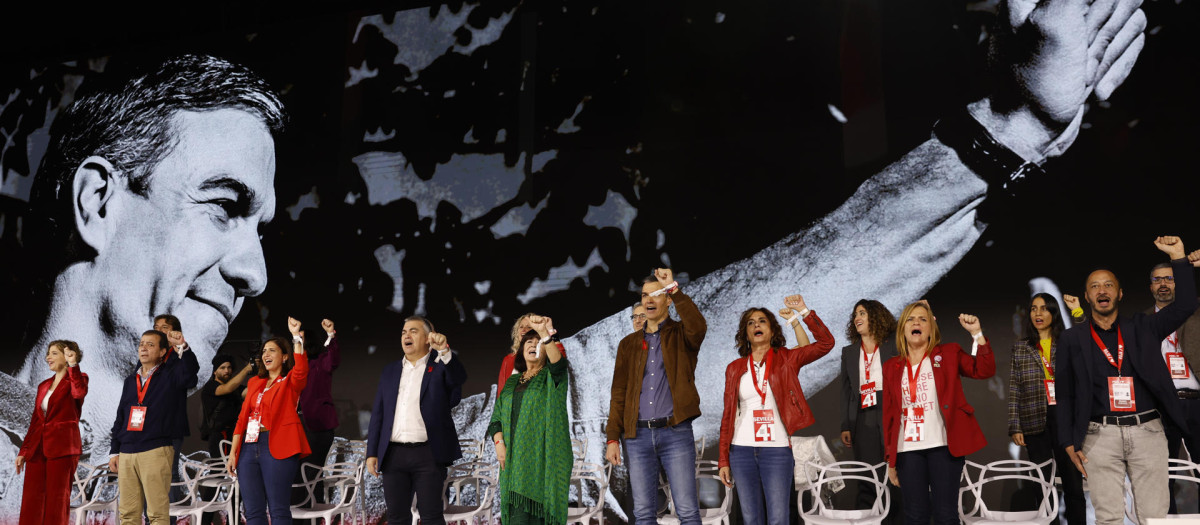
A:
673	448
930	480
266	483
763	472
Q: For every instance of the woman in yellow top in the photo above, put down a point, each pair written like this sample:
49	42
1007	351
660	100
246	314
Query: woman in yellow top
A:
1031	399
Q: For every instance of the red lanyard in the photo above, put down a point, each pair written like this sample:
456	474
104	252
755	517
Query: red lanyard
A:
762	390
1045	363
912	380
258	403
143	387
1174	340
1120	349
868	362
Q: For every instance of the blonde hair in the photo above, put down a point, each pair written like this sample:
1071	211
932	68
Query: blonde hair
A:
935	338
516	336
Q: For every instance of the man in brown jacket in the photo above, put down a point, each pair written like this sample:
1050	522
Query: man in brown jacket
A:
654	400
1181	350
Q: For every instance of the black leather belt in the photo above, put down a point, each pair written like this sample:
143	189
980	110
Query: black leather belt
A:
1127	421
653	423
1187	393
409	445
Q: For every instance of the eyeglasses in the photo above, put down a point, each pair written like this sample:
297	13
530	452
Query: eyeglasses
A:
636	317
1162	279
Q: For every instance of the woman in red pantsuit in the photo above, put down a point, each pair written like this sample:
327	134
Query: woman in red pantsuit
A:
52	445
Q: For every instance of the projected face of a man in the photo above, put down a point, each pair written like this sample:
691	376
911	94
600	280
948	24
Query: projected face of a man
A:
191	245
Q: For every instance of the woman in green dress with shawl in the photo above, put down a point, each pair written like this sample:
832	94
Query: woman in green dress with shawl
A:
529	428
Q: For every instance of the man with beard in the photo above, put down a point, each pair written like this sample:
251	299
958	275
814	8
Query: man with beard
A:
1114	391
221	399
1179	350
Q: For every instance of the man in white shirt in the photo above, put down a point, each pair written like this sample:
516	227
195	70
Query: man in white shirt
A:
1181	352
411	439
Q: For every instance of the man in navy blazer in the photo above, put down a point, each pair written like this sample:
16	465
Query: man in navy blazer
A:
412	436
1113	389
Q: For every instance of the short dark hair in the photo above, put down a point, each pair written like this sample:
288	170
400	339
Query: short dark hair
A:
428	324
883	325
1160	266
743	341
171	320
67	345
519	363
126	119
285	346
162	338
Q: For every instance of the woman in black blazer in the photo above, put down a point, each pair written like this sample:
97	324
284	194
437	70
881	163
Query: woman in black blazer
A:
870	333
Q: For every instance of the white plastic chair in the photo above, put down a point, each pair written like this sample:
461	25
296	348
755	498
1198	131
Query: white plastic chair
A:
831	478
339	492
95	491
192	504
311	475
1177	469
466	498
587	492
1008	469
708	515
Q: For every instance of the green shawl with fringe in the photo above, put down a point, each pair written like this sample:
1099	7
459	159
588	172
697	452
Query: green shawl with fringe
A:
538	459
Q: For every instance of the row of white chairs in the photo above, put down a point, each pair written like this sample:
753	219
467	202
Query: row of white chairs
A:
334	488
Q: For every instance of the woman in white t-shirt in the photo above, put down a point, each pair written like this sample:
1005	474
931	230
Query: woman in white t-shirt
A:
929	428
764	405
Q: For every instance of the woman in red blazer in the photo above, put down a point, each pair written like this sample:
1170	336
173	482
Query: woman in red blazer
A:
929	428
269	418
764	405
52	445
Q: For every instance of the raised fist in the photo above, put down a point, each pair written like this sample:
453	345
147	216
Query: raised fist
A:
294	326
970	323
795	302
327	325
72	357
543	325
1172	246
438	341
787	313
1194	258
665	276
1071	301
175	338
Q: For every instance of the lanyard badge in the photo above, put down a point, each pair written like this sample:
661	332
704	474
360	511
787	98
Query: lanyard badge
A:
1120	389
137	414
866	391
914	415
254	426
1050	399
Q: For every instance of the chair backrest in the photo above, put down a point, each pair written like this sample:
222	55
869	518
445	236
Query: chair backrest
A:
828	478
589	486
579	449
471	491
1041	475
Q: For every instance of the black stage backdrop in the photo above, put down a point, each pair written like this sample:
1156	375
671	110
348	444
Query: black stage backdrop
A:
475	161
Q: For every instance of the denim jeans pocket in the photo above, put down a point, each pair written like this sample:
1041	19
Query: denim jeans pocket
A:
1093	427
1153	427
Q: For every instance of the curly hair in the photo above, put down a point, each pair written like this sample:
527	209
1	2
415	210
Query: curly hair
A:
879	320
65	345
743	341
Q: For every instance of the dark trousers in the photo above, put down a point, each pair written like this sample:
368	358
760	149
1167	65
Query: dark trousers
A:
408	470
214	441
46	497
266	483
1191	410
1042	447
867	438
930	480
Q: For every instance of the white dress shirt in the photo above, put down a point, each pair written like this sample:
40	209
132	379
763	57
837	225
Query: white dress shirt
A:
408	426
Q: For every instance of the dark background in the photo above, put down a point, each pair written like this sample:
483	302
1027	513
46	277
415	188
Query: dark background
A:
710	118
